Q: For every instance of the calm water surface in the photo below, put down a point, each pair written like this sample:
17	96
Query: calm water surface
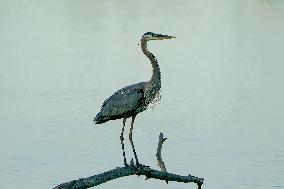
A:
222	90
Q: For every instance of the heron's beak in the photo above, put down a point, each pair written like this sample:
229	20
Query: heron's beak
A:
161	37
168	37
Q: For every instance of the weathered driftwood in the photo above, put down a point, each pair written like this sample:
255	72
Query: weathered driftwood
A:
118	172
159	152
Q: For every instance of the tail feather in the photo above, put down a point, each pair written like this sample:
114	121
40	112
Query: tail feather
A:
100	119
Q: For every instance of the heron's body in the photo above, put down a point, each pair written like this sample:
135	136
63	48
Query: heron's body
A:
124	103
133	99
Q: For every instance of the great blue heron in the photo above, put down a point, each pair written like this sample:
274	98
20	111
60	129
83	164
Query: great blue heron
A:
133	99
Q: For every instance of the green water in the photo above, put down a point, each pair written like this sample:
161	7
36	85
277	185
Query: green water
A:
222	92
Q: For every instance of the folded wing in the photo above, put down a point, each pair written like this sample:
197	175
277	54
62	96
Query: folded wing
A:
122	103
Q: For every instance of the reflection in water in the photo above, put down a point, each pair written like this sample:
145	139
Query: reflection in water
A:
221	90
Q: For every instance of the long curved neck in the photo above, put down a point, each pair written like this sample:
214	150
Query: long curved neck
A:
156	75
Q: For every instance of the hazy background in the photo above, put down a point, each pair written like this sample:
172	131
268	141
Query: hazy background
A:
222	90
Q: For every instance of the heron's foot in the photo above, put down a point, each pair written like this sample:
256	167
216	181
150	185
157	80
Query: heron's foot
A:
140	166
126	165
135	166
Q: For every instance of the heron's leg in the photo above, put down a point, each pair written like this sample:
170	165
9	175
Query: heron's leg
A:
122	144
131	141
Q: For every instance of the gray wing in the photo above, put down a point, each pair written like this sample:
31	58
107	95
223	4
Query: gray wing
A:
121	103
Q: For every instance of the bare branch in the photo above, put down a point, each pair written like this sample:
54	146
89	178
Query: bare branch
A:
118	172
159	152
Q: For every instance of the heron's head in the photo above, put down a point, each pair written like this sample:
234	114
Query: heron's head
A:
153	36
